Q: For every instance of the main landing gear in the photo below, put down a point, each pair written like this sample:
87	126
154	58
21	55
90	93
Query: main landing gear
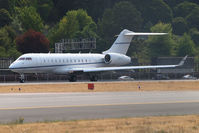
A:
22	78
72	78
93	77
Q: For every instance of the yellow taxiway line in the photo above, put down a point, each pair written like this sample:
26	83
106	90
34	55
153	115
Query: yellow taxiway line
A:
95	105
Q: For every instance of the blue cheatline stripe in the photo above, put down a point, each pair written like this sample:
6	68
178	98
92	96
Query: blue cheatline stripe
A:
57	65
122	42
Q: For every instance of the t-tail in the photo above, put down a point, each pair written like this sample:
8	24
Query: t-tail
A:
122	43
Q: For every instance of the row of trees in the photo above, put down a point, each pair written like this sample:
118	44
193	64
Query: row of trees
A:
34	26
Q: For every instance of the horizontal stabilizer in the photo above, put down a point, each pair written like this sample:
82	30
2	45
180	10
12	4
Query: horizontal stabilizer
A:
144	34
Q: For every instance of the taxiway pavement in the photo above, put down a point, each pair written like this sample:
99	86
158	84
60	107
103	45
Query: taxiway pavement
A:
35	107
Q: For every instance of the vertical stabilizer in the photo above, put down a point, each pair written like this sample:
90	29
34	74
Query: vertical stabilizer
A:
121	44
123	41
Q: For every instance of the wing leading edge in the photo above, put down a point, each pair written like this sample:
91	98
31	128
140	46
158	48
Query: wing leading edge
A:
101	69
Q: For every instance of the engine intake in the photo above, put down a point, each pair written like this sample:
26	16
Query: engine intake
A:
107	59
116	59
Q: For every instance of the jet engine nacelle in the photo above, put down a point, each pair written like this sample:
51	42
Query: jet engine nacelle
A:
116	59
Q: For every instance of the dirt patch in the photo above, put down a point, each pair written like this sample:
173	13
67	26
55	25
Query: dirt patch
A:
103	86
163	124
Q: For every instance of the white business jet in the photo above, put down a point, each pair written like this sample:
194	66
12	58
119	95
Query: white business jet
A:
73	64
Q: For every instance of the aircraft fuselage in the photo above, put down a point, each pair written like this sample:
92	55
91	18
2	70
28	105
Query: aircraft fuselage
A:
58	63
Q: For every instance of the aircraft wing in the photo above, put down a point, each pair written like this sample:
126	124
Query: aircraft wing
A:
64	70
101	69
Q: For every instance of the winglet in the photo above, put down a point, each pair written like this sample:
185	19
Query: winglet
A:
182	61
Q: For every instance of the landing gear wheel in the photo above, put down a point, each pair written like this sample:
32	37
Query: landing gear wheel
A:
73	78
21	78
93	78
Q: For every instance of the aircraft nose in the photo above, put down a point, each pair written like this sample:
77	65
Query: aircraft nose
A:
11	66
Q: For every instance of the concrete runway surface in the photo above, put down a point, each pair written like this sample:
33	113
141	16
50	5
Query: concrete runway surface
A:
35	107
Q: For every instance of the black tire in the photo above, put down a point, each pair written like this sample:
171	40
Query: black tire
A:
72	78
94	78
21	80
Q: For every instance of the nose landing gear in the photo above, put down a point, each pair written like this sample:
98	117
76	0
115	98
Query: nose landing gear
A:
22	78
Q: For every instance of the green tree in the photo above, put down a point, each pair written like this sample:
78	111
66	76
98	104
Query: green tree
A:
94	8
193	18
186	46
154	11
161	45
63	6
4	4
4	38
122	16
17	25
5	17
3	52
29	18
139	49
7	43
44	8
194	35
17	3
184	9
76	23
179	25
173	3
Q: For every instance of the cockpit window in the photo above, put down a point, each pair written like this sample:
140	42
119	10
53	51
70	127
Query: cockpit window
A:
28	58
21	58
